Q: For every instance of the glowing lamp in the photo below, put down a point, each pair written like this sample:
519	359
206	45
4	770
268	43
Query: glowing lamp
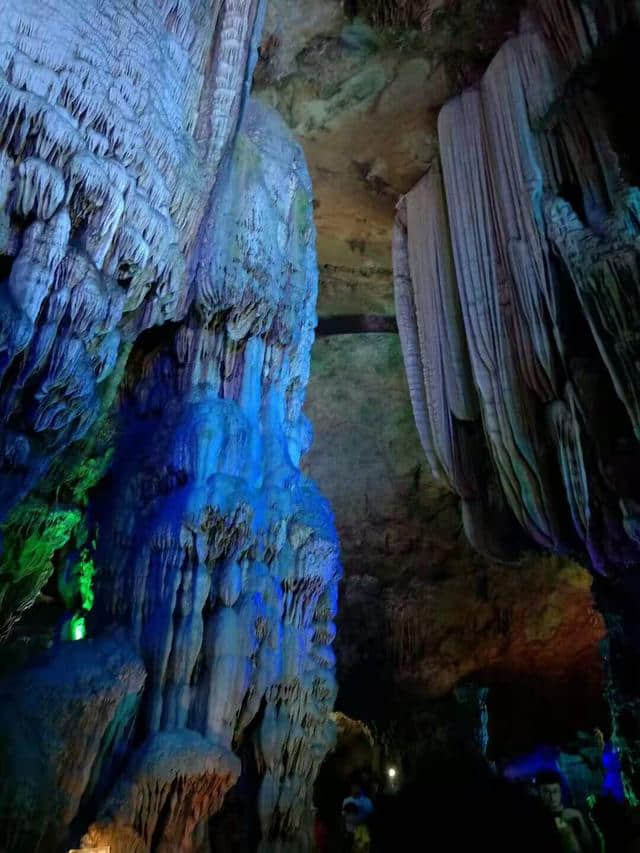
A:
392	773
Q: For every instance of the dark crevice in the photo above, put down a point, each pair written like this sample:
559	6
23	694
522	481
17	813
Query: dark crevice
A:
356	324
6	263
617	65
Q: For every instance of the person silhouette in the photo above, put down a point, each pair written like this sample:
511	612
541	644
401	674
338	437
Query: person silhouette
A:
570	823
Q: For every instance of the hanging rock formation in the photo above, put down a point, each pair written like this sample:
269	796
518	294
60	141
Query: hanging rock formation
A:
517	277
158	308
515	306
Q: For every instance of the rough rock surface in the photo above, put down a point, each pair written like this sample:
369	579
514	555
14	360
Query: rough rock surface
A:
516	272
363	100
158	308
350	95
510	354
66	723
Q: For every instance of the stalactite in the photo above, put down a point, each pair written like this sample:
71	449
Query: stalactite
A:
545	232
104	183
509	150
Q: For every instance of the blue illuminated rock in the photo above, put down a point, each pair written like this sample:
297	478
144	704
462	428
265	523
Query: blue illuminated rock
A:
66	721
156	319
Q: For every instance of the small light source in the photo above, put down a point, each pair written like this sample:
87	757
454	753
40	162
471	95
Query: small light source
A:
78	628
392	773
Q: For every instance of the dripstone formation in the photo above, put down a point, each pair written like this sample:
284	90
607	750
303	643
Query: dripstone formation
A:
157	313
517	274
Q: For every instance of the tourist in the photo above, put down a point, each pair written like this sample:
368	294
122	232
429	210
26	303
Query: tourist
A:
570	824
357	809
362	803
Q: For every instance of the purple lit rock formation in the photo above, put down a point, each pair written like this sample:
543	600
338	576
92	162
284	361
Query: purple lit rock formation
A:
517	278
514	306
158	310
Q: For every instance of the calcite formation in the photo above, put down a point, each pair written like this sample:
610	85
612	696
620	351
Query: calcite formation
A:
517	275
69	717
399	13
114	120
158	310
516	267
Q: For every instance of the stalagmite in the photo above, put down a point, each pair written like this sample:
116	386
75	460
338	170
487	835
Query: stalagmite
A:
157	312
68	717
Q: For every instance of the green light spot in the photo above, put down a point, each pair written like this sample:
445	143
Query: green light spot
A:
78	628
85	570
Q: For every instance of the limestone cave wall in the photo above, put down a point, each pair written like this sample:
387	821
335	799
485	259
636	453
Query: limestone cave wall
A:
158	298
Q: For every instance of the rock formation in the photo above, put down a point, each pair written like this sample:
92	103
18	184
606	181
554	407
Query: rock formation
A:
363	101
516	276
158	308
69	716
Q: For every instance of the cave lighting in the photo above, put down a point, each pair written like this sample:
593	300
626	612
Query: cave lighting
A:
78	629
392	773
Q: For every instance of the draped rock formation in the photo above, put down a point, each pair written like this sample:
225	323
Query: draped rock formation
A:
517	277
515	267
158	306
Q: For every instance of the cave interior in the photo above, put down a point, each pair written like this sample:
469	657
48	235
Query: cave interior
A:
319	424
